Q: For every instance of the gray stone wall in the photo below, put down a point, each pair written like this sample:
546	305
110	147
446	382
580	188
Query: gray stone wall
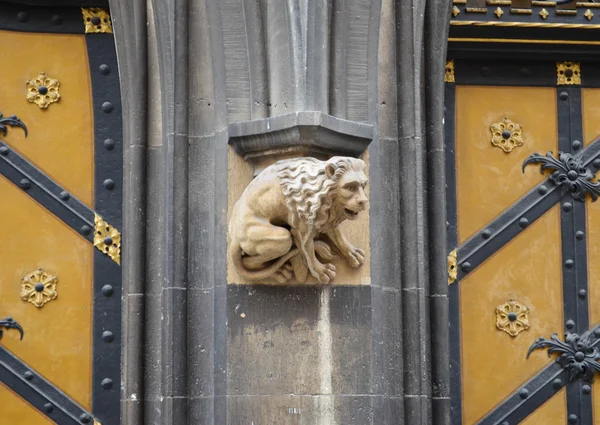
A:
199	351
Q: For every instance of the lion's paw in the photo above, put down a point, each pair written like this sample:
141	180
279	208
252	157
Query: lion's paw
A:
355	256
284	274
326	273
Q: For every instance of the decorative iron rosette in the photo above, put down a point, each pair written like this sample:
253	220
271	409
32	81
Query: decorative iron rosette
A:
579	355
43	90
9	323
569	173
507	135
12	121
512	317
38	288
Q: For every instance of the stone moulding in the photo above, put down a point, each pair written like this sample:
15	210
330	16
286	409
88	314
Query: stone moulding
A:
308	133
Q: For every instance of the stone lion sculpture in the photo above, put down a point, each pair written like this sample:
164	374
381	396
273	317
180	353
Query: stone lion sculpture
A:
275	223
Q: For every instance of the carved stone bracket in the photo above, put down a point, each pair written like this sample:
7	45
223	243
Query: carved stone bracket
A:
307	133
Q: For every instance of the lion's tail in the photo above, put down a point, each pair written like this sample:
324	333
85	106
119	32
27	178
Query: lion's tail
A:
235	254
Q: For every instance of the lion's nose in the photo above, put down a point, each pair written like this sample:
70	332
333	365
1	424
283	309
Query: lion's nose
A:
362	202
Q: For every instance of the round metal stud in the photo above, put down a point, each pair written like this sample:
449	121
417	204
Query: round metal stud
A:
523	223
567	207
582	293
485	71
24	183
39	287
56	20
486	234
108	240
466	267
542	190
96	20
48	408
23	16
557	384
572	175
64	195
43	90
512	316
576	145
563	95
570	324
579	235
108	184
506	134
586	389
104	69
579	356
106	383
107	290
109	144
107	107
3	150
596	163
568	73
107	336
28	375
569	264
524	393
85	418
525	72
572	419
85	229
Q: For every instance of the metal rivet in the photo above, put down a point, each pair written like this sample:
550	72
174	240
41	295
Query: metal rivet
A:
485	71
109	144
23	16
486	234
570	324
523	222
569	264
542	190
108	184
524	393
596	163
96	20
582	293
579	235
567	207
104	69
28	375
466	267
3	150
39	287
24	183
48	408
108	240
564	95
512	316
43	90
525	72
107	107
107	336
573	418
85	229
568	73
56	20
85	418
576	145
64	195
107	290
106	383
586	389
557	384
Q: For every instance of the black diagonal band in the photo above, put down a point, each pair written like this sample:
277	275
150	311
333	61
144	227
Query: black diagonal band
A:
40	393
31	180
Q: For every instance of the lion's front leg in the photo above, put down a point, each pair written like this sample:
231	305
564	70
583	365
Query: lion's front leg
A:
355	256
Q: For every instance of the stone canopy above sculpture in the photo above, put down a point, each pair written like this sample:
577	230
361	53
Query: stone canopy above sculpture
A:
286	221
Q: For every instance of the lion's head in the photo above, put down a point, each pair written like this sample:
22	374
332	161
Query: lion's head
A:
323	193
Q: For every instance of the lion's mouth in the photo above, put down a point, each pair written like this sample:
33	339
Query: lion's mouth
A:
351	214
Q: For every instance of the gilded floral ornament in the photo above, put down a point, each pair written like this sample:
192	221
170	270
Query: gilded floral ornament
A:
452	270
568	73
544	13
498	12
43	90
96	20
569	173
107	239
38	288
589	14
512	317
578	354
455	11
506	135
449	77
10	323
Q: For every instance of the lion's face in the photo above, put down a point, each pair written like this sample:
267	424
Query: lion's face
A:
352	199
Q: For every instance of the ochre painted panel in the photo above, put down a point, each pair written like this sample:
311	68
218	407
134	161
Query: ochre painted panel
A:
593	254
528	269
58	336
489	180
590	99
552	412
60	140
16	411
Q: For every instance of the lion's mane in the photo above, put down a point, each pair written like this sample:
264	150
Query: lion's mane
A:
308	192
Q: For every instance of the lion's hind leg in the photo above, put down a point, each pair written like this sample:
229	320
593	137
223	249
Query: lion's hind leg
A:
264	242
